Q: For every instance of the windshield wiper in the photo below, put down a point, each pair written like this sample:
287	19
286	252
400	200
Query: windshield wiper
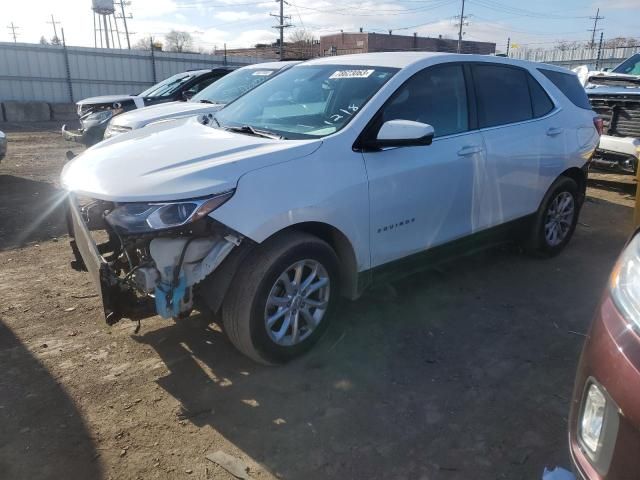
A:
254	131
204	100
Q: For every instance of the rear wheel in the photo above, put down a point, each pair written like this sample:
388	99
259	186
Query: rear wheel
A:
556	219
281	298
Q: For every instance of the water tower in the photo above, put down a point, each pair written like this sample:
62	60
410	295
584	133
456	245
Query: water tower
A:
104	23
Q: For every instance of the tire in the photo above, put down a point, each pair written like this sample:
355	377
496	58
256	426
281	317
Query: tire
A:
541	241
261	280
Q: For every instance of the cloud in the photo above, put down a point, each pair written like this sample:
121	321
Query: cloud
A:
618	4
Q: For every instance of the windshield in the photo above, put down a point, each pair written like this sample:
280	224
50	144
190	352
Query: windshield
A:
631	66
307	101
230	87
168	86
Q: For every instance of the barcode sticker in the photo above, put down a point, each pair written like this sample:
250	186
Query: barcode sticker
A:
351	74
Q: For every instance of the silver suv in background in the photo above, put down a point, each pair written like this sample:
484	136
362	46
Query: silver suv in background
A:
209	100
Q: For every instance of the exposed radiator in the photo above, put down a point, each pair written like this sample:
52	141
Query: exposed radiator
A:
620	113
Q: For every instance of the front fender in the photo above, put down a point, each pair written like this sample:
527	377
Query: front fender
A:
317	188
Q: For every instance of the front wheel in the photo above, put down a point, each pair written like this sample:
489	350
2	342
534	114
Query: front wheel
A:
556	219
281	298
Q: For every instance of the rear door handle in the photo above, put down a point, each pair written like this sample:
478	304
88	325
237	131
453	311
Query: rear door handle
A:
552	132
469	150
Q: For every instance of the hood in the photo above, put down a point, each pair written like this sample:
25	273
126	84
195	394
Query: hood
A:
174	161
144	116
598	78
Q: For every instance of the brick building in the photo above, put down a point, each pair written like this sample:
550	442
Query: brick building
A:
363	42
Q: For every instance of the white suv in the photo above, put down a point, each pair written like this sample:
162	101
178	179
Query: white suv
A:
308	187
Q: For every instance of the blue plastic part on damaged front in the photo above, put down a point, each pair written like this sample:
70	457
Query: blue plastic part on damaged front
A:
169	298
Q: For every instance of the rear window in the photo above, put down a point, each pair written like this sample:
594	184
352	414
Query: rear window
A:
570	86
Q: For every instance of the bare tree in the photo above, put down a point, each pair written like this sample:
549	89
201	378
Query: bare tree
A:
178	41
564	45
300	35
56	41
143	44
43	40
620	42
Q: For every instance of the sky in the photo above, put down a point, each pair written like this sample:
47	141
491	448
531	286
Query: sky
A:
243	23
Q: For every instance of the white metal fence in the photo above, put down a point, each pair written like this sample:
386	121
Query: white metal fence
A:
54	73
571	58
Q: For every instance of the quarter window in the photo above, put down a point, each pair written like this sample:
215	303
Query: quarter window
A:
503	95
540	101
436	96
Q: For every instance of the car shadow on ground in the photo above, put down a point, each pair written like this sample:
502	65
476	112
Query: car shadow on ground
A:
439	375
40	425
30	211
623	184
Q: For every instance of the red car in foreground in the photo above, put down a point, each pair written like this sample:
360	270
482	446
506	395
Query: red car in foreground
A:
604	425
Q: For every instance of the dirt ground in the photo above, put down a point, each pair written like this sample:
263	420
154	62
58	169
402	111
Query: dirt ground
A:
464	372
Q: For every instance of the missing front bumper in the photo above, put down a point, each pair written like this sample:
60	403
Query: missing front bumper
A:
118	299
163	283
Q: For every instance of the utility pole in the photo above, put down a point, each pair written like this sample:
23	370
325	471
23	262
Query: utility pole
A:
13	29
460	29
124	20
508	45
595	27
281	26
55	30
599	51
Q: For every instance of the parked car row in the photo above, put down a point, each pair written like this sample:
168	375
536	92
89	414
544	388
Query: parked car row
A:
196	92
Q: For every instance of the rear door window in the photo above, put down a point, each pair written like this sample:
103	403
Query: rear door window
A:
569	85
502	94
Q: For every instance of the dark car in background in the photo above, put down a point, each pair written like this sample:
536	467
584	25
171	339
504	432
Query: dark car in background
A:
3	145
604	425
96	112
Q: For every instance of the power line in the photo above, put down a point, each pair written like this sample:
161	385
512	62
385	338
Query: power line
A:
520	12
13	29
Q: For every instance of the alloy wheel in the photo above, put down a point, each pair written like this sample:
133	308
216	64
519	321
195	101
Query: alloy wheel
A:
297	302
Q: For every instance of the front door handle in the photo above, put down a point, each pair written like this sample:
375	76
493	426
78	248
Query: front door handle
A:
469	150
553	131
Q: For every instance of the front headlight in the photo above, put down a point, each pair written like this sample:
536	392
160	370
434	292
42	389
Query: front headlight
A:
131	218
625	282
96	118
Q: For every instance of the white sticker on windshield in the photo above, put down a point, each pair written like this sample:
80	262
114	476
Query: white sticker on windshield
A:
351	74
262	73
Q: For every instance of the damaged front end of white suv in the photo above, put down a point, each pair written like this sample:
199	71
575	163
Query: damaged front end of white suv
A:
148	258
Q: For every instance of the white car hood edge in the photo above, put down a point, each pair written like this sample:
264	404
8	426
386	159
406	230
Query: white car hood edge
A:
174	161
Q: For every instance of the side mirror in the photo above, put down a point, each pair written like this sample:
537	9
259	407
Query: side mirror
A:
608	69
403	133
188	95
